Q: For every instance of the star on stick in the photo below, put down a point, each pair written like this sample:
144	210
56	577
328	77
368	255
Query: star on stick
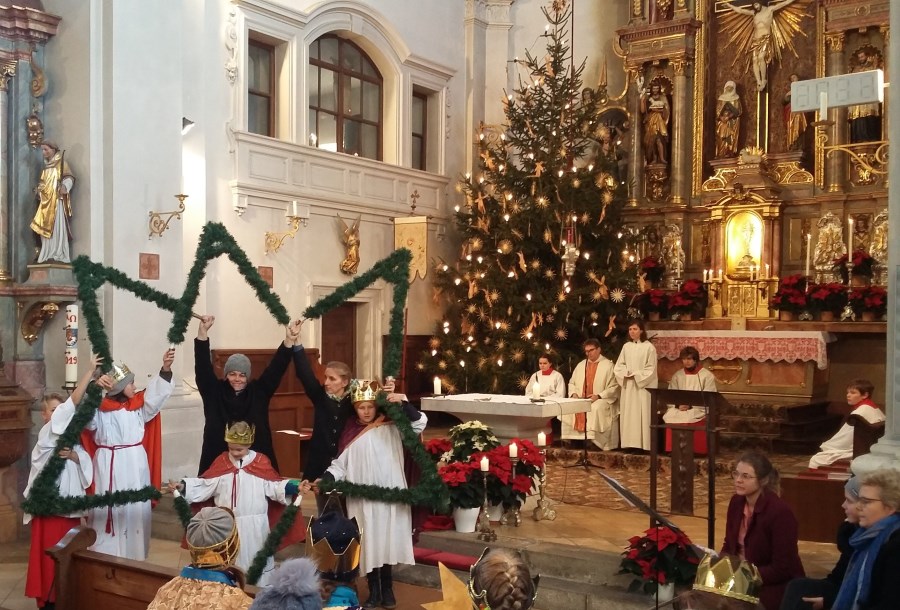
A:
456	596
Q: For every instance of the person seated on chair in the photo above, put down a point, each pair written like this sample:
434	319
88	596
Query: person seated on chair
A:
692	377
549	381
593	378
840	446
211	580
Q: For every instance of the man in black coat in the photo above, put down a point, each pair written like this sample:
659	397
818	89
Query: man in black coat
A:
236	397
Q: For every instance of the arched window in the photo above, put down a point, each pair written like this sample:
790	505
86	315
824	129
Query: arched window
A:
345	98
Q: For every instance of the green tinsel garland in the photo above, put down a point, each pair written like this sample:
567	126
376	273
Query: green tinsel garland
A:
184	511
272	541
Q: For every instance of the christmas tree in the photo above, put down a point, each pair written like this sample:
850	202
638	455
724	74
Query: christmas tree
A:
543	264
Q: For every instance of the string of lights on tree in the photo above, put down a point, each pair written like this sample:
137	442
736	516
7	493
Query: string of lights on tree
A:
543	263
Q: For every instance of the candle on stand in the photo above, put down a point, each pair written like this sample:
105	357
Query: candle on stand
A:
71	329
808	238
823	105
849	240
767	271
536	390
513	450
294	211
542	439
704	275
485	464
437	386
720	275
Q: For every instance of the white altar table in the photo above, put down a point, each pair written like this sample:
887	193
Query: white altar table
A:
509	416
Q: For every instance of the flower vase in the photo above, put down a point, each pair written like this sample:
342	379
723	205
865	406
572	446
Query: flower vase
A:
867	316
495	511
464	519
665	592
826	316
653	316
785	316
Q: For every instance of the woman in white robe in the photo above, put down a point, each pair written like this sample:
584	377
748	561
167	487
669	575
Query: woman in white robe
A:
550	381
636	371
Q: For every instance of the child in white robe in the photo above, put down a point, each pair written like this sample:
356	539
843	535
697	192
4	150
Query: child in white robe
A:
840	446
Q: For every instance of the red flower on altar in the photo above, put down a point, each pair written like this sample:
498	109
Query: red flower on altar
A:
828	297
868	298
652	268
791	294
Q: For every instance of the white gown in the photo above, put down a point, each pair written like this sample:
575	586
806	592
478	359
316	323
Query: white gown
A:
249	499
552	385
638	358
129	534
75	478
840	446
376	458
702	380
603	418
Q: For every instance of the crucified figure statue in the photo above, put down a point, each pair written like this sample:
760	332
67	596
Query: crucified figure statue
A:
761	46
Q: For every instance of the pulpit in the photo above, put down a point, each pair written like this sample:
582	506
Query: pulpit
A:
509	416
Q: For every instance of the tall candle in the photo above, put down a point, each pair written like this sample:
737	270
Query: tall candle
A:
767	271
823	105
513	450
71	329
294	211
704	276
485	464
542	439
437	386
536	390
808	245
720	275
849	239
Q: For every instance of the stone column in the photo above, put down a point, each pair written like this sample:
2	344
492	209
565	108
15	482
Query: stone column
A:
836	166
886	452
636	162
7	71
681	168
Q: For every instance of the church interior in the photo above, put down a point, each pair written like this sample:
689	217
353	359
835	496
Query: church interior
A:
448	193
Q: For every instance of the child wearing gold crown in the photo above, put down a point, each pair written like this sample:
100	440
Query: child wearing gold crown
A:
243	481
125	441
372	454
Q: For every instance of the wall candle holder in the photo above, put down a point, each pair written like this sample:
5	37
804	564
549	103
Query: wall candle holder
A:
275	240
512	516
159	221
543	510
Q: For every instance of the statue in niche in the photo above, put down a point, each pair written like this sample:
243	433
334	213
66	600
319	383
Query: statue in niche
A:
672	251
878	248
657	112
865	119
829	246
861	235
659	10
795	123
728	121
350	239
54	206
761	31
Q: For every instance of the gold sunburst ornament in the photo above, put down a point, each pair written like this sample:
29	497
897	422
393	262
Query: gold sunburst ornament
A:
617	295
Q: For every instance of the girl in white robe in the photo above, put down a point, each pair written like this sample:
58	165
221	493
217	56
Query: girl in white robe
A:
636	371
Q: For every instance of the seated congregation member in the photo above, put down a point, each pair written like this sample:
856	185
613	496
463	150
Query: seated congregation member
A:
636	371
870	582
372	454
840	446
691	377
125	438
210	580
549	381
819	594
501	580
333	543
723	583
761	527
237	397
593	378
295	586
243	481
75	478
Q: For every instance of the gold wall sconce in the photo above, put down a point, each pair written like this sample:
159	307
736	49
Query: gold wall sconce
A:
159	221
295	215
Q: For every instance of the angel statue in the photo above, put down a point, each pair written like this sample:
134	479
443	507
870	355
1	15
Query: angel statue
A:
768	30
350	239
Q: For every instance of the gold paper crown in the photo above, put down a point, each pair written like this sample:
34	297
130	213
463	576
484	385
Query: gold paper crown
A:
326	558
240	433
363	390
119	371
221	554
719	577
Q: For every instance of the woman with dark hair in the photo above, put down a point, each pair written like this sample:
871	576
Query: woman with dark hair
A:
549	381
761	527
636	371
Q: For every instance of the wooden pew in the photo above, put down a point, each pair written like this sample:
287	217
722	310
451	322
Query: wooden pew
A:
87	580
864	434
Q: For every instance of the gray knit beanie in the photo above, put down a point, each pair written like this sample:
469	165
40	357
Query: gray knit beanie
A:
212	525
239	363
851	487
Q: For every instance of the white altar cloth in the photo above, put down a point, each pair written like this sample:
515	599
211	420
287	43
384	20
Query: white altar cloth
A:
509	416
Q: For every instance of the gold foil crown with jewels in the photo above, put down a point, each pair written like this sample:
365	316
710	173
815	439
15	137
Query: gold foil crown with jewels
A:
718	576
240	433
364	390
119	371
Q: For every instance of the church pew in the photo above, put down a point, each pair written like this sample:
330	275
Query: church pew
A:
86	580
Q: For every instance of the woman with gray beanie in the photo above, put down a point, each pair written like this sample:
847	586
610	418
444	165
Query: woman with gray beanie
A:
237	397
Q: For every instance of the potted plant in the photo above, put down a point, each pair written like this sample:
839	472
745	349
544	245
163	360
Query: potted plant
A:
652	269
868	302
465	487
690	301
661	557
652	303
856	270
470	437
502	487
828	300
790	298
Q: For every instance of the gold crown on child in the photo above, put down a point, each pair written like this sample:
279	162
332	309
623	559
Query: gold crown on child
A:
240	433
119	371
718	576
363	390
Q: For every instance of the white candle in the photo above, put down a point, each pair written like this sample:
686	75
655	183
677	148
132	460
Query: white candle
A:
536	390
849	240
437	386
767	271
294	211
704	276
808	238
71	329
720	275
542	439
485	464
823	105
513	450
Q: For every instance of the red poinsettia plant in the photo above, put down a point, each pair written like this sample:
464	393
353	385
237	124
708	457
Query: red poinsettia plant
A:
828	297
653	300
463	480
791	294
502	487
652	268
661	556
691	298
868	298
858	264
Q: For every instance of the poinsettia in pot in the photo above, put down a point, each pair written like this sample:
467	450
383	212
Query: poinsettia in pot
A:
660	557
471	437
465	487
690	302
790	298
652	269
856	270
868	302
652	303
502	487
828	300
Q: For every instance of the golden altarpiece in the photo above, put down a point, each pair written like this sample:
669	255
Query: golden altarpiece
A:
747	190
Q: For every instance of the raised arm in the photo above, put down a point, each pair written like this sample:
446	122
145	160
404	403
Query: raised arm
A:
271	377
84	382
744	11
203	368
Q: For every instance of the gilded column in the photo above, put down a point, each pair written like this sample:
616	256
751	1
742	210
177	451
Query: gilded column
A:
7	71
636	163
681	167
885	115
637	12
836	165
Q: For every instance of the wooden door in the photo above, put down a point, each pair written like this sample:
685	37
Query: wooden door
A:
339	335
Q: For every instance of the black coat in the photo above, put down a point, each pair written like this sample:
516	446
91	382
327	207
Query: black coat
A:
329	417
222	406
